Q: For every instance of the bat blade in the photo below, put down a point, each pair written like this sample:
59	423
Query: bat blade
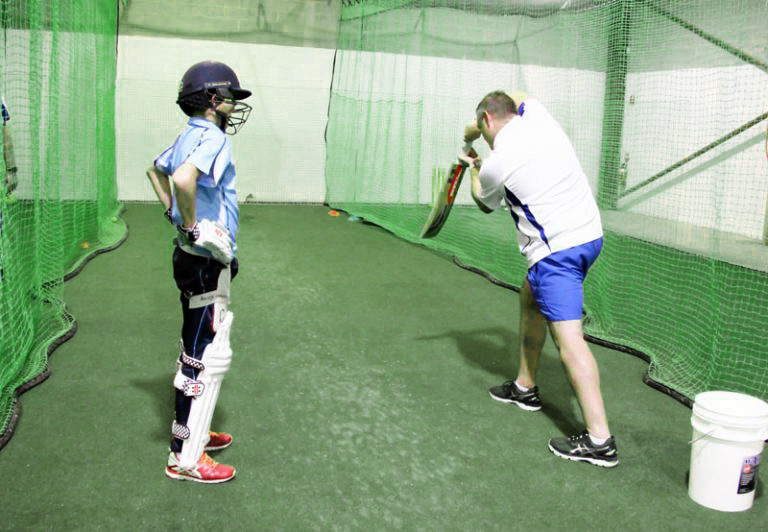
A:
447	196
445	199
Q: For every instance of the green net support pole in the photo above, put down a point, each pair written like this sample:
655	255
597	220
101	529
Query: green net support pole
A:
610	178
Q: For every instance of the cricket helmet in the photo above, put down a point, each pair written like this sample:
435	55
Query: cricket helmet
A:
208	83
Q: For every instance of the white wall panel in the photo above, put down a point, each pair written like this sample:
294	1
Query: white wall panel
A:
279	153
672	114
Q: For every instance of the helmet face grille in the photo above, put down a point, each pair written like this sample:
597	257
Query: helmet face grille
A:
238	117
194	103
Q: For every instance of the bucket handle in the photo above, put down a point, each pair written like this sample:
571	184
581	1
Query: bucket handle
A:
702	436
763	436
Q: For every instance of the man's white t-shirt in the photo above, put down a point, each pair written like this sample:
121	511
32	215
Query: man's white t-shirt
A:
534	169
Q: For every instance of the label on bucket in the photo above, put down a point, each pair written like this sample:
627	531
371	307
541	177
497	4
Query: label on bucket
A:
748	478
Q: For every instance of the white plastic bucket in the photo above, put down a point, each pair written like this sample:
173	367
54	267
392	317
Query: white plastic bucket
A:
729	430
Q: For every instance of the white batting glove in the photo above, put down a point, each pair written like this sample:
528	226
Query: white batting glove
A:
212	236
469	157
215	238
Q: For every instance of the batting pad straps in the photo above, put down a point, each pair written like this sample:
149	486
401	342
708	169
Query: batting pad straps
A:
190	387
221	292
179	431
205	392
191	362
219	298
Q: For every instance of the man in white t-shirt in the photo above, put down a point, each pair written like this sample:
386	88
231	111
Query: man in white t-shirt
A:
534	171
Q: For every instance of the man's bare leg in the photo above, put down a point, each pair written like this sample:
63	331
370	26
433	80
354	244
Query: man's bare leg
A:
583	372
533	333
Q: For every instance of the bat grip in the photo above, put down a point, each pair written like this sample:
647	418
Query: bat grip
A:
469	151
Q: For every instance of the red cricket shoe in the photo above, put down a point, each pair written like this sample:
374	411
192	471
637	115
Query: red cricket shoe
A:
218	441
207	470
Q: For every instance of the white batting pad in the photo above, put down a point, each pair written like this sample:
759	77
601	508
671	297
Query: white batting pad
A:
204	392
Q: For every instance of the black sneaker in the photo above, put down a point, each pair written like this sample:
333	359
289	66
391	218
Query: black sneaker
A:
510	393
581	449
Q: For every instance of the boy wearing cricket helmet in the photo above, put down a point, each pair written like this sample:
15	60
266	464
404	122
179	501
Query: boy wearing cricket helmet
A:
202	204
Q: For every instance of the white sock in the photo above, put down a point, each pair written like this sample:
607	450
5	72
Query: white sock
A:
597	441
521	388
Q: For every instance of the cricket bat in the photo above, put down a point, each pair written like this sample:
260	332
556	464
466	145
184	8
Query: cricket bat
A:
444	202
10	161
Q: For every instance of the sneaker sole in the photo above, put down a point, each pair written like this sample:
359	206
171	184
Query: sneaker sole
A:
219	448
593	461
524	406
178	476
207	448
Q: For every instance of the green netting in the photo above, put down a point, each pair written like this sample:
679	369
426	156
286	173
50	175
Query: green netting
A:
666	104
284	22
57	75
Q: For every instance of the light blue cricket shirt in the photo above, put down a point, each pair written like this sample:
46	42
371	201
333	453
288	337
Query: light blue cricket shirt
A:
206	147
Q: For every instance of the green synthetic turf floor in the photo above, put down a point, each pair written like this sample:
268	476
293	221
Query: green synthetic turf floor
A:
357	398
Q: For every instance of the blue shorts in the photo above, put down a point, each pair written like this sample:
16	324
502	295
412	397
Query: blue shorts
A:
557	281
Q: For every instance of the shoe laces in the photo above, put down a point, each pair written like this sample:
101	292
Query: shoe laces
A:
580	437
207	460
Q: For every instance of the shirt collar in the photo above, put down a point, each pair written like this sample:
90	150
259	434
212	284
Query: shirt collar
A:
201	122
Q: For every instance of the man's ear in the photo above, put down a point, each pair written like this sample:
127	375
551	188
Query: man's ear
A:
488	119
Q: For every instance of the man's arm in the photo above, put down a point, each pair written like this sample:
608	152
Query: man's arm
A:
471	132
474	173
185	182
161	185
